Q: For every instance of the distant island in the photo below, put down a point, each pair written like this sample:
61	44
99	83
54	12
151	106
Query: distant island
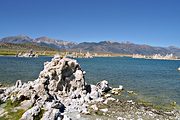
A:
48	46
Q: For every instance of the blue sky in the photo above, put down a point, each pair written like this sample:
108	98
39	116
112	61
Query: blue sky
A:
153	22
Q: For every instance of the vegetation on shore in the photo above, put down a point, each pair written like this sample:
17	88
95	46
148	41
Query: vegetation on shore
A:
12	113
8	52
13	49
40	115
125	108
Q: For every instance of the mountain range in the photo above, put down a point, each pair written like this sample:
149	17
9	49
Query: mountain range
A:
102	47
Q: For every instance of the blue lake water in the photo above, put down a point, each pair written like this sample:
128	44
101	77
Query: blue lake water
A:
153	80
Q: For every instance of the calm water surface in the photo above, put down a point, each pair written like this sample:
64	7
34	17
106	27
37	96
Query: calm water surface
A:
153	80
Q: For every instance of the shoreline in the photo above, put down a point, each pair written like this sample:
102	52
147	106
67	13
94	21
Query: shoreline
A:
95	57
117	109
155	59
47	97
128	95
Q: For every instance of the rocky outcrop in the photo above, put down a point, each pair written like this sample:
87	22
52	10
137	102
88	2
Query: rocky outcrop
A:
60	88
29	114
61	93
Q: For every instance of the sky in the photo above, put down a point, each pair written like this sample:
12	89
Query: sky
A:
153	22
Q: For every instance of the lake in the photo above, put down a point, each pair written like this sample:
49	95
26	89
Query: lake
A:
157	81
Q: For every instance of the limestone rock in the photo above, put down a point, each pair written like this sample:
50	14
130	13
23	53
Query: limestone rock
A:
107	95
57	105
117	91
94	94
94	107
65	117
120	87
104	110
103	86
60	88
52	114
2	91
29	114
18	84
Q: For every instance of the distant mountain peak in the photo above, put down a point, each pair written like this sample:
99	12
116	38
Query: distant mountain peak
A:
54	43
17	39
108	46
125	48
106	42
44	39
173	47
